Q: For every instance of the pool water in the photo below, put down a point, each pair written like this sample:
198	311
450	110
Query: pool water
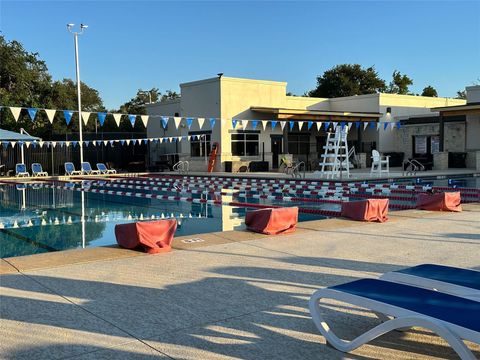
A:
44	216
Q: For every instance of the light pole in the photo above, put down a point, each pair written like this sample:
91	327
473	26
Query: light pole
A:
77	65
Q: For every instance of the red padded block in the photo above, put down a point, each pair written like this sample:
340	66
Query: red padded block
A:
152	236
366	210
272	221
447	201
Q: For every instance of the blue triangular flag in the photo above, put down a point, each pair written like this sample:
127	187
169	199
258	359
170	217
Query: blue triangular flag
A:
164	121
132	119
32	112
234	123
372	124
274	123
61	143
310	123
111	142
385	125
327	124
68	115
254	124
86	142
357	124
101	117
291	124
399	125
74	143
342	125
212	122
189	122
5	144
122	142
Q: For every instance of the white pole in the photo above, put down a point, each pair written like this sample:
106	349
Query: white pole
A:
75	35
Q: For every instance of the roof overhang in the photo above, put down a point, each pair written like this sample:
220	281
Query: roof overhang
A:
319	115
467	109
6	135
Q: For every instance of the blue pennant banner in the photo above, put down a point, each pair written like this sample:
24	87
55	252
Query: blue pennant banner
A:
234	123
32	112
189	122
385	125
310	124
254	124
212	122
111	142
101	117
164	121
327	124
122	142
274	123
372	124
68	116
74	143
399	125
357	124
87	142
291	124
132	119
342	125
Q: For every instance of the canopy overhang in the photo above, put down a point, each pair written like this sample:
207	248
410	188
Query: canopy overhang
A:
467	109
317	115
6	135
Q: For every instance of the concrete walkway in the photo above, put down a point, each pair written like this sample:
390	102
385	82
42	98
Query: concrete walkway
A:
234	295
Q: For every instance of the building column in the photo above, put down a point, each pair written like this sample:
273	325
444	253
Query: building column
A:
441	133
360	138
285	139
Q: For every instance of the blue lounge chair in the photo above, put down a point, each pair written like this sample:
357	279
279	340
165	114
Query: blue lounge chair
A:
21	170
70	169
87	169
104	170
37	170
451	317
447	279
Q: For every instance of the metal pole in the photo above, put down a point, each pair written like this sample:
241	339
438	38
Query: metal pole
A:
75	35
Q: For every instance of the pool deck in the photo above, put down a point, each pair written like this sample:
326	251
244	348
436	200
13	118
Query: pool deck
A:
234	295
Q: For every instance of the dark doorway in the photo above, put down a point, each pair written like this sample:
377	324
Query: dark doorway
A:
276	149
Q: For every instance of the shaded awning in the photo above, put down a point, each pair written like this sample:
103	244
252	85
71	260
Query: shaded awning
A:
467	109
319	115
6	135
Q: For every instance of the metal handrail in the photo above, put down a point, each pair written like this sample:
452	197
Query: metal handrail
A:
296	170
181	167
415	166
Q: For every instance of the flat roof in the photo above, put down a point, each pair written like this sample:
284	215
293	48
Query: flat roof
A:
320	115
469	108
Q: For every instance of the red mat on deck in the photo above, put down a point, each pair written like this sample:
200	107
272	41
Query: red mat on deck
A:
272	221
152	236
366	210
447	201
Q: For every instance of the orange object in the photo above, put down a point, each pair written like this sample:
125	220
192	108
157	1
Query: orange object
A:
213	157
366	210
152	236
272	221
446	201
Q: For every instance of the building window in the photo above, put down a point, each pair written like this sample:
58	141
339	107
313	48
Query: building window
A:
420	145
245	143
299	144
197	143
435	144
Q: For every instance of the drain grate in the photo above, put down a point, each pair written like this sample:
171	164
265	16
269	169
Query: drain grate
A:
192	240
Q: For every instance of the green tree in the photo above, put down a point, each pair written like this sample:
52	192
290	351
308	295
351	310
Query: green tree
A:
399	84
136	105
429	91
170	95
461	94
347	80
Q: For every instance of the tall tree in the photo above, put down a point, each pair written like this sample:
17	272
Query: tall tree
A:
461	94
348	80
399	84
429	91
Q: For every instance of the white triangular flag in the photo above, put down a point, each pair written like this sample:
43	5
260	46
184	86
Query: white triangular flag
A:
334	124
40	143
117	118
54	143
13	143
50	114
378	125
350	125
264	124
105	142
144	119
15	112
189	137
244	124
319	125
85	116
200	122
282	124
177	121
392	126
67	143
27	143
300	124
365	124
127	141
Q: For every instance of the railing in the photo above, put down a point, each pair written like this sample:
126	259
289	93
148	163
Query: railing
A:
414	167
295	170
181	167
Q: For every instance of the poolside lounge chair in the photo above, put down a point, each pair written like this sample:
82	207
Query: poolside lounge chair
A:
451	317
70	169
87	169
37	170
447	279
104	170
21	170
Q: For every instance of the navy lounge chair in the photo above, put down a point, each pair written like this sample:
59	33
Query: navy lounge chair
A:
87	169
70	169
104	170
447	279
21	170
37	170
451	317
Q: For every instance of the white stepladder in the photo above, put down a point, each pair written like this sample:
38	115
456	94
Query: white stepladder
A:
335	160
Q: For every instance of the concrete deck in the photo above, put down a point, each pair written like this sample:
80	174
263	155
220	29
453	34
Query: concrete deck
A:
236	295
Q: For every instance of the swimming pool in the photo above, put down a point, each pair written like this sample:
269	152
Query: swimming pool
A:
46	215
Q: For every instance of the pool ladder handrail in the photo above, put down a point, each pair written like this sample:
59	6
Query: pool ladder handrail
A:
415	166
182	167
295	172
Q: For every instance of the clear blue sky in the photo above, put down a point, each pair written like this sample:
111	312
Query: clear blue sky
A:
144	44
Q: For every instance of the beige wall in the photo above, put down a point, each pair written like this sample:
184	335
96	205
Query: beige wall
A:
473	121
